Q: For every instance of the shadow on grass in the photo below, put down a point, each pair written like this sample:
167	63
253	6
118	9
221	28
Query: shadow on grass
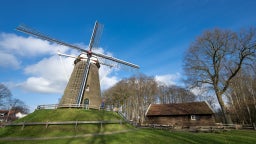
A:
94	129
100	128
90	133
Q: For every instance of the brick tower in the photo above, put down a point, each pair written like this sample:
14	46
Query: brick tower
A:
92	86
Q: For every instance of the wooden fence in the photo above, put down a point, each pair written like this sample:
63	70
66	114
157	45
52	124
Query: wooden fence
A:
75	123
215	128
55	106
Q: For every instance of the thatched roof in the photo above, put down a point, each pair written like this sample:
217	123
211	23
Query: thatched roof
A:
179	109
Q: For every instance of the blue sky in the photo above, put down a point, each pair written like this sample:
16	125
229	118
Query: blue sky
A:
152	34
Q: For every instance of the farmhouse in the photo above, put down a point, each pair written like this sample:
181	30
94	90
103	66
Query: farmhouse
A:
181	114
10	115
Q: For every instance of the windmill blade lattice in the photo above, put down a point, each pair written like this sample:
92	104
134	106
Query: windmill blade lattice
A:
40	35
86	67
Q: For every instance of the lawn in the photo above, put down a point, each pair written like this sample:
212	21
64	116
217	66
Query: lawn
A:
107	133
149	136
62	115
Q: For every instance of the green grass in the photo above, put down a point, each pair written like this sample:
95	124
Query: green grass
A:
69	115
108	133
60	115
149	136
60	130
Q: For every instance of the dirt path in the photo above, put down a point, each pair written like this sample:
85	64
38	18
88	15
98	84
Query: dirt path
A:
63	137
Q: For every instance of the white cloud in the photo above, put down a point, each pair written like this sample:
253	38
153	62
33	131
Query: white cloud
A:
14	47
50	68
197	91
168	79
107	81
8	61
48	75
26	46
39	84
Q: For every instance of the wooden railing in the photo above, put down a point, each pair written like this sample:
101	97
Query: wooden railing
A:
55	106
217	127
23	124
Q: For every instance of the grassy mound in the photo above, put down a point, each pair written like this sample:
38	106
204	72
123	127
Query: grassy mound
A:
69	115
61	115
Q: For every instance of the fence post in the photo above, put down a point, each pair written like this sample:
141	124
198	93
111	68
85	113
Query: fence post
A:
76	125
46	125
23	125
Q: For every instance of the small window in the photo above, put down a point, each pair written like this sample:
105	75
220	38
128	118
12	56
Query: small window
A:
87	88
193	117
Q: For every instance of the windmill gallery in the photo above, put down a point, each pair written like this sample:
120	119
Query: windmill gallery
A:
83	88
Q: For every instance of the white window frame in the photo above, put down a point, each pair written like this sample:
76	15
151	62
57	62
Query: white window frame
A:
193	117
87	88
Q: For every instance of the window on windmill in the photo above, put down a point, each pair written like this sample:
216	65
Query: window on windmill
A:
87	88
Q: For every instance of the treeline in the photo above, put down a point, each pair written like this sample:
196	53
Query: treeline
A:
135	94
221	63
7	102
242	96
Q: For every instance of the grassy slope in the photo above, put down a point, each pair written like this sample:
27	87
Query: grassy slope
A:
63	130
139	136
69	115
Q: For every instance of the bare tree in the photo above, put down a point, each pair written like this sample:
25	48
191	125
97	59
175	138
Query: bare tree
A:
5	96
134	95
8	102
19	106
174	94
243	96
215	58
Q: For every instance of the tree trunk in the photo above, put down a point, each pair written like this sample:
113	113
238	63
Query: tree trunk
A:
224	109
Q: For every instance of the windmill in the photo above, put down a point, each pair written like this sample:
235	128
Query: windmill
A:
83	85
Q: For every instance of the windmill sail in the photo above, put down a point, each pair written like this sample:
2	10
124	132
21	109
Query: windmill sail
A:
84	82
35	33
88	63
